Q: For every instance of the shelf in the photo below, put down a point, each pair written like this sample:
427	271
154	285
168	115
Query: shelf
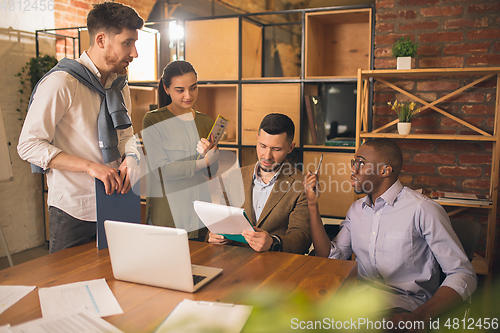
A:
258	100
429	136
337	43
212	47
324	147
429	71
220	99
452	204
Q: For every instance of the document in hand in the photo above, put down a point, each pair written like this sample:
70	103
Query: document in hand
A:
224	220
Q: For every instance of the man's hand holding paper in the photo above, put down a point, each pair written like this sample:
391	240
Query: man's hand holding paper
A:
226	221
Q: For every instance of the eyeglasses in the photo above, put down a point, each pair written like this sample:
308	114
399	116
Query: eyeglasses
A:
357	163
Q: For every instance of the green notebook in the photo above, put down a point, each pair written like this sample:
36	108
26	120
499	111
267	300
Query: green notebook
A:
239	237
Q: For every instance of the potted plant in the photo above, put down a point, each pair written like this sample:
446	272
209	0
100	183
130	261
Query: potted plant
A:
404	49
29	76
405	111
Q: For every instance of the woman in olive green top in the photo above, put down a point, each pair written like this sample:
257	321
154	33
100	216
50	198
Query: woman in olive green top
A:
180	158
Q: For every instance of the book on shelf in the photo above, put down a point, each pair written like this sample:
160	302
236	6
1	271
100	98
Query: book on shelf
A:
342	142
461	198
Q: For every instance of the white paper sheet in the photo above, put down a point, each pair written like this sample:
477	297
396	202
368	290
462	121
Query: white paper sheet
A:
76	322
221	219
9	295
94	295
198	316
5	329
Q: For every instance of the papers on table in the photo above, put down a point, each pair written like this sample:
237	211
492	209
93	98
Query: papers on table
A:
11	294
198	316
81	321
225	220
5	329
94	296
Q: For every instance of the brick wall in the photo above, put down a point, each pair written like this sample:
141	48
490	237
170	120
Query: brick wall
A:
451	33
73	13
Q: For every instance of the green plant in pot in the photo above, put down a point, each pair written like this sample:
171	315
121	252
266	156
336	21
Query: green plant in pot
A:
404	49
29	76
405	112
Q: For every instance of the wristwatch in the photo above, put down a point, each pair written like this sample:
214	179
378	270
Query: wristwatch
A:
276	246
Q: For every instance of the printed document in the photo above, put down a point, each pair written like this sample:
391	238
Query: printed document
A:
11	294
197	316
94	296
81	321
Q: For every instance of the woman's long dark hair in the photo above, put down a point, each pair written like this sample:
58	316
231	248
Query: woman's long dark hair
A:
173	69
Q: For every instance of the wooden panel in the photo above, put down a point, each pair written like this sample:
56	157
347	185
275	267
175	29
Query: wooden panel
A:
258	100
84	40
337	42
335	178
142	98
221	100
251	55
248	156
212	47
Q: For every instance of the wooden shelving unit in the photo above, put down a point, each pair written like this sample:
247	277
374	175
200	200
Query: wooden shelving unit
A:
482	265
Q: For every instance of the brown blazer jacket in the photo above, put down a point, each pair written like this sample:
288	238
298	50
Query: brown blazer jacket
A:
285	214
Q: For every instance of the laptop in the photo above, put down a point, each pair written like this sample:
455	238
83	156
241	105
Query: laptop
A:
154	255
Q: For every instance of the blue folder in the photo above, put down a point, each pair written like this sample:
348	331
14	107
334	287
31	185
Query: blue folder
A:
117	207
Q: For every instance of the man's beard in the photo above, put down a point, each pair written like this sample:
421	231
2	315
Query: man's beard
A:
114	64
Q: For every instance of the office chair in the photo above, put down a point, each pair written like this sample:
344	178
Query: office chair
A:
468	232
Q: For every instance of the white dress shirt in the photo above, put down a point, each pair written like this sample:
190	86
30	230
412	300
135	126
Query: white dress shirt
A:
63	117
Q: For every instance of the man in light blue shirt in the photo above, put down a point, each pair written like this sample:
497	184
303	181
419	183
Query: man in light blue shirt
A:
400	238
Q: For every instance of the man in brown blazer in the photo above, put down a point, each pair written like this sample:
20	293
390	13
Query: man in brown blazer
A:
271	192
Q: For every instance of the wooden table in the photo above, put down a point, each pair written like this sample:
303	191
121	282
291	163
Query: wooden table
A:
145	307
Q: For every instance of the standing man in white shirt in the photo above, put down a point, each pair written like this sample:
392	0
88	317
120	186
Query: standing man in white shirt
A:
63	132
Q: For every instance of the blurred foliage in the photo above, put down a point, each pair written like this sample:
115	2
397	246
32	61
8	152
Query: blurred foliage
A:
29	76
279	311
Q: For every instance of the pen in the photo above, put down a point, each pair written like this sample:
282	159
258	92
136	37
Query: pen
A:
319	164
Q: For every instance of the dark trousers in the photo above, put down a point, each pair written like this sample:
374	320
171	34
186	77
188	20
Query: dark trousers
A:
66	231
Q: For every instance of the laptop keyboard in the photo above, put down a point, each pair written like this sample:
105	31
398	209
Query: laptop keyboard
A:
198	278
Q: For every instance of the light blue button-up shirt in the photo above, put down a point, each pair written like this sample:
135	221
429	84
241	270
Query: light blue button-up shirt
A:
261	190
400	241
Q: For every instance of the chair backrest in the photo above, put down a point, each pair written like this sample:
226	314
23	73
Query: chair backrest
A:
468	232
